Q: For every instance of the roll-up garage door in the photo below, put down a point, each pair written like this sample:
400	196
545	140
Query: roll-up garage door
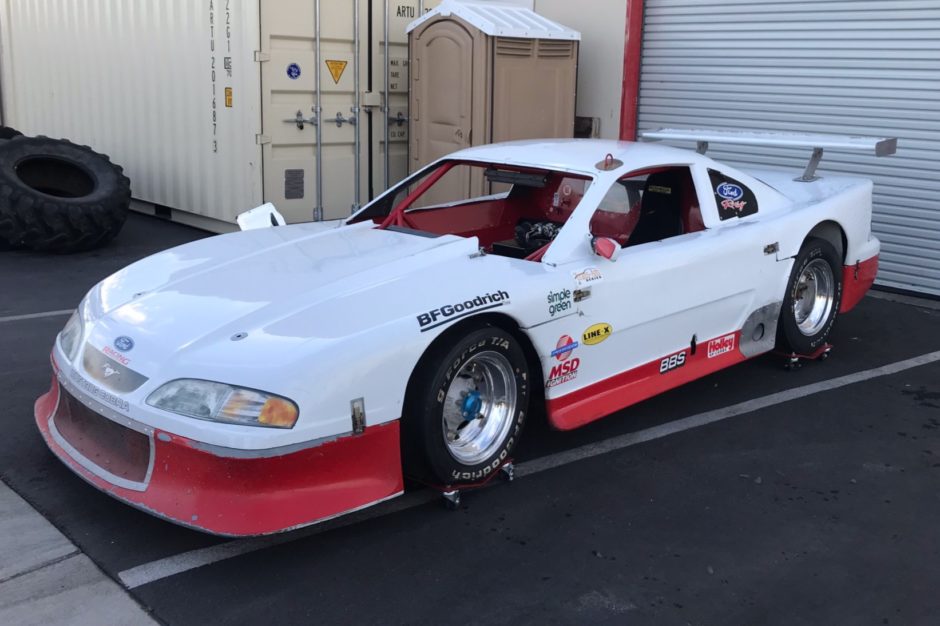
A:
833	66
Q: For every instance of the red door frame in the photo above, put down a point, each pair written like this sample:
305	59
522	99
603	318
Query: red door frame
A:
632	50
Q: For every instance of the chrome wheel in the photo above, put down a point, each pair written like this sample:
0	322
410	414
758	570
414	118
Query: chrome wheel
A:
814	297
479	408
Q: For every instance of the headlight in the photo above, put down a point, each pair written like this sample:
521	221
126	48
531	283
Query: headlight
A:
218	402
71	335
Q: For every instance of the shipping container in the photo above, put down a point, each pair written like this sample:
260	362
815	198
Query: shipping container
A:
212	105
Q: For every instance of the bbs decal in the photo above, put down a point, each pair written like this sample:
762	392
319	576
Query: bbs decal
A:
672	362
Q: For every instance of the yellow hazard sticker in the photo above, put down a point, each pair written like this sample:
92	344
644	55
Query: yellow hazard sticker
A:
228	97
336	69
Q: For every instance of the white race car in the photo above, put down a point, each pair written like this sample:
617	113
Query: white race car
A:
260	381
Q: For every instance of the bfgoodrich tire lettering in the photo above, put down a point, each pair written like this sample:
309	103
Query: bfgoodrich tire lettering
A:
811	303
466	407
59	197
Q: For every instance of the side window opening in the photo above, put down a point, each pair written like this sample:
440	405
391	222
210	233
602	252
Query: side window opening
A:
649	206
513	211
732	197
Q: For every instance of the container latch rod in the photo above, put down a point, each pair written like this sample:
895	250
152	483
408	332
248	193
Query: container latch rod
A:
300	121
399	119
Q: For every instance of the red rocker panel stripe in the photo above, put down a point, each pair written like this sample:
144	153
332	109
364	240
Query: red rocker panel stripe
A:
856	281
622	390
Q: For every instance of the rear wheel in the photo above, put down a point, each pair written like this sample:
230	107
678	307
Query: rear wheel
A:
466	407
811	303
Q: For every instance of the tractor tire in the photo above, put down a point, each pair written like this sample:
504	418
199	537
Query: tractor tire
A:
56	196
9	133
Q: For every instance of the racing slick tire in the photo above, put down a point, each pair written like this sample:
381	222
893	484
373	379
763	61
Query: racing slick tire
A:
465	407
811	303
8	133
56	196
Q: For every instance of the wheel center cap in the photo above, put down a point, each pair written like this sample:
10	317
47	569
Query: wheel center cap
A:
471	406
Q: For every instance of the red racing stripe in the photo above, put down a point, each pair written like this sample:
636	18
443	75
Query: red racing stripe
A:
627	388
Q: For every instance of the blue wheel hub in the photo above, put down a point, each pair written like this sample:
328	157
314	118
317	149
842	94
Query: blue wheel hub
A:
471	406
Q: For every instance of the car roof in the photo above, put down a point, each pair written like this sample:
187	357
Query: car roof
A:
581	155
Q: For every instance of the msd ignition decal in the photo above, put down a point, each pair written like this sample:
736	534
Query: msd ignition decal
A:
567	368
672	362
558	301
720	346
445	314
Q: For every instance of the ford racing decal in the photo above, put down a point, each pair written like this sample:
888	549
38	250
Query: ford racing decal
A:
124	343
446	314
729	191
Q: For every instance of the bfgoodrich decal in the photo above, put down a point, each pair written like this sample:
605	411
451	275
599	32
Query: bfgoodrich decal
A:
451	312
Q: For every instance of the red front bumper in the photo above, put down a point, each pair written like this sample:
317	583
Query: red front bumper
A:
171	477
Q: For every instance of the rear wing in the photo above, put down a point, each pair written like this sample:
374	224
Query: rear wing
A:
880	146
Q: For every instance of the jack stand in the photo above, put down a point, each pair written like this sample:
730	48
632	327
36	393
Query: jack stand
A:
450	494
794	361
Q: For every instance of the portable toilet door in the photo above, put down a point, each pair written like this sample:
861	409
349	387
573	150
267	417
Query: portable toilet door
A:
483	72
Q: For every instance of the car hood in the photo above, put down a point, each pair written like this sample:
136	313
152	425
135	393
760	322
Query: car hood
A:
288	286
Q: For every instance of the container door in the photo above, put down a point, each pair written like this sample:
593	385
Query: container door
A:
289	100
390	19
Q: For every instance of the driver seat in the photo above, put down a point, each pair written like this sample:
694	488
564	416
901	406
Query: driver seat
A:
661	207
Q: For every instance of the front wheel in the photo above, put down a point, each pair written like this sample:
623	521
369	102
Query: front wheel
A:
466	407
811	303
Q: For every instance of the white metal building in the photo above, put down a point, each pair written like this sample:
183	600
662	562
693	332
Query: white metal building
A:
835	66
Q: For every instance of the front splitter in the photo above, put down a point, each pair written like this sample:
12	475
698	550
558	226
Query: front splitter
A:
248	496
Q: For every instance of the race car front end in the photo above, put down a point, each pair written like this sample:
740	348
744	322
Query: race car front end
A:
94	420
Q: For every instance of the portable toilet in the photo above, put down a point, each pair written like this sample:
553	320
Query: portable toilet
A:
483	71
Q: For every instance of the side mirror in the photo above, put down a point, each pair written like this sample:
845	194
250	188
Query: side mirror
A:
605	247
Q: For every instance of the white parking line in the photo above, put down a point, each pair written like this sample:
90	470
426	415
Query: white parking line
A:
186	561
33	316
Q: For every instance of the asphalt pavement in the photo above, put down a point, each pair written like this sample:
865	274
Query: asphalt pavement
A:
817	507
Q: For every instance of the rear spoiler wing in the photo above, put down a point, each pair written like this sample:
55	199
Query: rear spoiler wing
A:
880	146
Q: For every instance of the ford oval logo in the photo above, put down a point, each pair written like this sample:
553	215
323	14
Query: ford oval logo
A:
729	191
124	344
